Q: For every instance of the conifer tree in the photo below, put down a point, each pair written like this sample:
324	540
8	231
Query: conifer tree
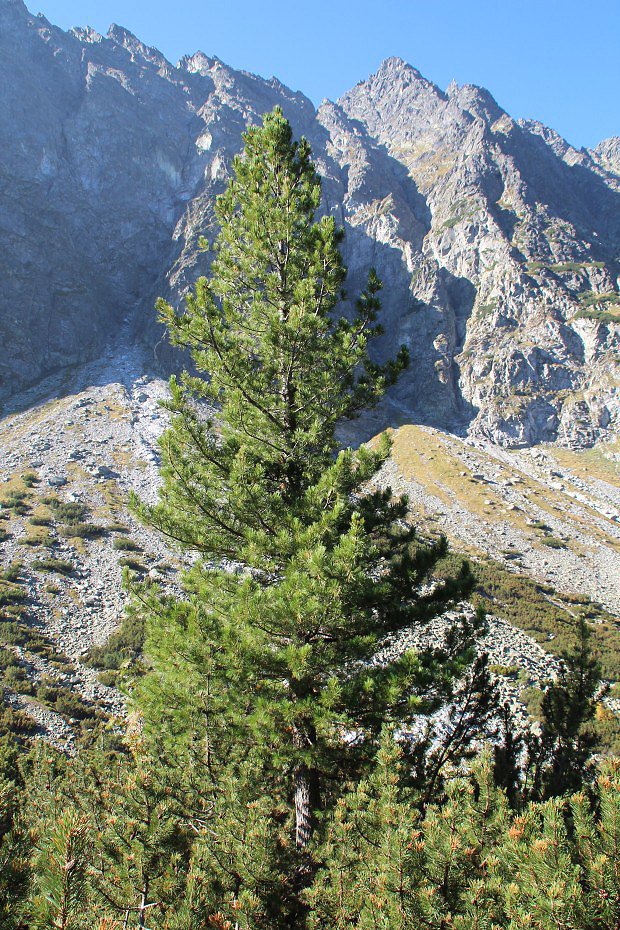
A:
60	868
303	570
15	841
140	853
561	758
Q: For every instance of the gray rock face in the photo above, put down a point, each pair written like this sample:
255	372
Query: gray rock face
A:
497	242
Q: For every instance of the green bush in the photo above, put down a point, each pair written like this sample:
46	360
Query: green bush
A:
16	722
15	677
66	511
53	565
553	542
81	530
16	501
122	648
527	605
11	594
11	573
126	545
35	541
132	564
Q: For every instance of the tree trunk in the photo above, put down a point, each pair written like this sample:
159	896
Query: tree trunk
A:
143	902
307	796
304	814
306	782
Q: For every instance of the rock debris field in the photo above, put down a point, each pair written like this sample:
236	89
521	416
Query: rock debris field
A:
93	440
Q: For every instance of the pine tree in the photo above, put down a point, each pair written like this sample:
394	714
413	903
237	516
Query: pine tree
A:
140	852
15	841
507	753
561	758
303	570
60	868
368	877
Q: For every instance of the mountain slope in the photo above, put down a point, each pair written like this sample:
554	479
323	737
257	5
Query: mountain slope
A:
497	242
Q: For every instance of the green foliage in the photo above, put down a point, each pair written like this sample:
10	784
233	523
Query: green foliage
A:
36	541
470	863
14	840
553	542
13	673
593	298
303	572
66	511
82	530
538	609
134	565
59	566
561	758
11	573
126	545
60	874
11	594
123	648
15	500
40	521
61	699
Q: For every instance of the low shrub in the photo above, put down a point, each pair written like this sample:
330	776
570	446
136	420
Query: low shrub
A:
11	594
16	501
108	677
126	545
59	566
33	541
82	530
122	648
553	542
15	677
66	511
132	564
11	573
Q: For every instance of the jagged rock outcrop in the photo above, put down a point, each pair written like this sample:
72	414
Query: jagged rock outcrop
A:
498	243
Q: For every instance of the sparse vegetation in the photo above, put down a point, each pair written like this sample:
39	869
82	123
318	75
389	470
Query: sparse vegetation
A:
126	545
82	530
33	540
134	565
40	521
66	511
542	612
59	566
122	649
553	542
15	500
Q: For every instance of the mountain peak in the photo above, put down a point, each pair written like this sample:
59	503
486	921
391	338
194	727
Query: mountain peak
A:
198	63
123	37
475	100
398	66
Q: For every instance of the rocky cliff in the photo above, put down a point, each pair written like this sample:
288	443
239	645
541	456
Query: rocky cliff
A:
498	243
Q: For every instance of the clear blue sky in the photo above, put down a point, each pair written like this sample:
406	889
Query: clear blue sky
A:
553	60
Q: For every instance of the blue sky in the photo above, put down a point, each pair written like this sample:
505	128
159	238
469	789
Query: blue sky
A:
552	60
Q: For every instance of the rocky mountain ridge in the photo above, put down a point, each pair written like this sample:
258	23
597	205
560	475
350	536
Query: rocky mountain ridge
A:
498	243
